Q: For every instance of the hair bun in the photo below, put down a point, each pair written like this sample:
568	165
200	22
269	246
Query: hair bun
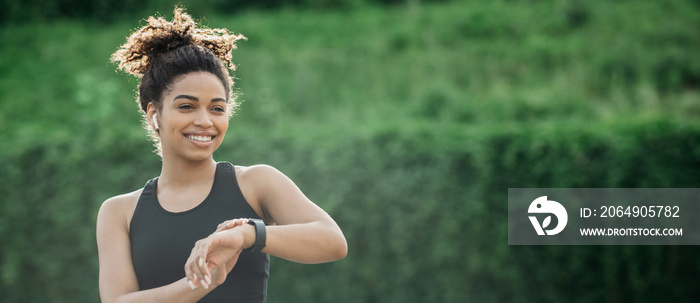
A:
160	36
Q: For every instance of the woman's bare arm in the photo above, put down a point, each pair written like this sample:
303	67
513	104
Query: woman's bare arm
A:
303	232
299	230
117	279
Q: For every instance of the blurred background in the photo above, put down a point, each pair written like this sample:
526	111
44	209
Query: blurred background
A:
406	120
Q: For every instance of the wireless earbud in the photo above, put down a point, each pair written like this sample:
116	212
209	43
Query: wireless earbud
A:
155	121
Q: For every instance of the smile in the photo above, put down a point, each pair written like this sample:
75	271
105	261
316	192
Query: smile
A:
200	138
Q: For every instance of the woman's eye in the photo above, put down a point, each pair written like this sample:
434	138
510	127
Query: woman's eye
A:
185	106
219	109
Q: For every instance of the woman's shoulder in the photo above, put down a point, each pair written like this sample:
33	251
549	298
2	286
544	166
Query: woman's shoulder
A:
119	208
256	182
123	199
256	170
259	175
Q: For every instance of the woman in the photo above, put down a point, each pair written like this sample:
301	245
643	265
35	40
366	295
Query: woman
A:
202	230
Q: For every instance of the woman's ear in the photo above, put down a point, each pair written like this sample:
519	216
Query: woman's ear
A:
152	116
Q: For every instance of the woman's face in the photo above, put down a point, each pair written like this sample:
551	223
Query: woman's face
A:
193	119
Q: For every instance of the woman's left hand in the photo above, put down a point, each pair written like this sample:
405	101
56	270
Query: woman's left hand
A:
213	257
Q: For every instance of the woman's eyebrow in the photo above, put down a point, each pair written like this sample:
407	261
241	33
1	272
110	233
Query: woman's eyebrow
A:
193	98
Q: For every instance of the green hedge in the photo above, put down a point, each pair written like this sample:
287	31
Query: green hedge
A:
424	212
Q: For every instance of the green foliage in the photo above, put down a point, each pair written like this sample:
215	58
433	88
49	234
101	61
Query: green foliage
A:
101	11
425	213
407	124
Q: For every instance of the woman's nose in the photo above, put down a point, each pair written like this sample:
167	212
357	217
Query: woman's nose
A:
203	120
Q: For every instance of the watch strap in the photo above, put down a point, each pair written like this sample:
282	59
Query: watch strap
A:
260	234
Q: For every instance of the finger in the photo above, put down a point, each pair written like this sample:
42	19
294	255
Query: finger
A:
197	272
228	224
192	282
223	225
191	278
202	277
238	222
189	273
197	277
202	264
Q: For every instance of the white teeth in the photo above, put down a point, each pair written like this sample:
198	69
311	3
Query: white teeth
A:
199	138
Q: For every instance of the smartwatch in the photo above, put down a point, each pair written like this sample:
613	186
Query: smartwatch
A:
260	235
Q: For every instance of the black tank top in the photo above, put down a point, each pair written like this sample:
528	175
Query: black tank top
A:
161	241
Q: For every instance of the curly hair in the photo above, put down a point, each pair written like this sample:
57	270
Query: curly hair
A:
162	50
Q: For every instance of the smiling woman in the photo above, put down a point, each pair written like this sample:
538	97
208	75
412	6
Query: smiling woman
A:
163	51
203	230
193	116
